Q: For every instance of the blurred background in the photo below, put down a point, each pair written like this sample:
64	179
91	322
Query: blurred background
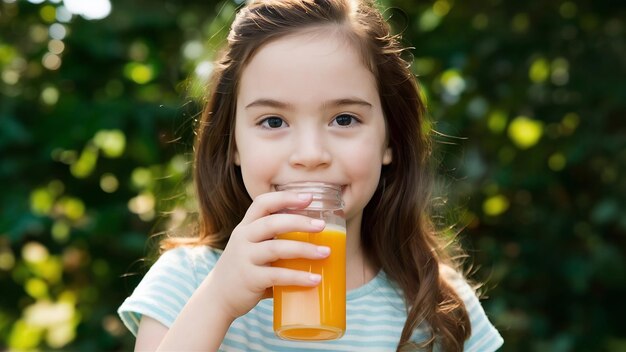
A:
97	106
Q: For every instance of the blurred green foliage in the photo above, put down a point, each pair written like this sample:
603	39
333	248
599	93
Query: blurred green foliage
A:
96	128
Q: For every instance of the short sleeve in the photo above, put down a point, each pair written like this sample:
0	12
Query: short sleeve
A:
164	290
485	337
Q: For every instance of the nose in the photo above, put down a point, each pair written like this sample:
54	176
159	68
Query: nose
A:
310	150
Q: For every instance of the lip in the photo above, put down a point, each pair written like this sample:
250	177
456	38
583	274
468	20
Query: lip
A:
341	185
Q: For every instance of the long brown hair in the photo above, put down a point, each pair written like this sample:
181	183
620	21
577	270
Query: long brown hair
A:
404	242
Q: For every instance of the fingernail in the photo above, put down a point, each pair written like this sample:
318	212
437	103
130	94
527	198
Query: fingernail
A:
323	251
315	277
304	196
318	223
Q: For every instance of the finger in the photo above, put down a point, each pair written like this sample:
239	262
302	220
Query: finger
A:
272	202
275	276
269	293
268	227
271	251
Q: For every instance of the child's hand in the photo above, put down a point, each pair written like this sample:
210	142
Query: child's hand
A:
244	271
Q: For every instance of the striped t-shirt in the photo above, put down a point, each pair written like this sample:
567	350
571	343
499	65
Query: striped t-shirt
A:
375	312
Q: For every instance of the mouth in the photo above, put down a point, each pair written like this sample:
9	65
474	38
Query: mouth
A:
274	187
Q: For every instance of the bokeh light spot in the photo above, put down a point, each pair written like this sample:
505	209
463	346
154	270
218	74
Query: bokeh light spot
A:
139	73
495	205
109	183
56	46
51	61
539	70
178	164
10	77
480	21
34	252
60	231
520	23
85	164
90	10
424	65
111	142
67	156
570	122
192	50
525	132
50	95
560	71
48	13
57	31
24	336
496	122
477	107
441	7
56	187
7	260
73	208
63	15
36	288
38	33
41	201
142	203
203	70
113	325
453	82
141	177
568	9
138	51
429	20
557	162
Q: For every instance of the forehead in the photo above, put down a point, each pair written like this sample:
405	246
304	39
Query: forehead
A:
306	67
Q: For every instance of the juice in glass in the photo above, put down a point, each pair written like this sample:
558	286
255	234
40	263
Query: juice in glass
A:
314	313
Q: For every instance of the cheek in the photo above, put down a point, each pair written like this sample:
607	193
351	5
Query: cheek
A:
364	160
257	169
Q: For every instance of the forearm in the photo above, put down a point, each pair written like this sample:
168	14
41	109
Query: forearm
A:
201	325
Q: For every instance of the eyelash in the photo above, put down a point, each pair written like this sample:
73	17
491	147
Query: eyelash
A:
265	122
354	120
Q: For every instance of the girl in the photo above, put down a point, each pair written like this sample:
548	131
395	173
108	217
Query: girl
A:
310	90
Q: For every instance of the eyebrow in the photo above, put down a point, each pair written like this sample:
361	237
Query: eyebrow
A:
263	102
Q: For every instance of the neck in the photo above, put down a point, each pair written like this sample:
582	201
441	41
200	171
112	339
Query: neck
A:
359	269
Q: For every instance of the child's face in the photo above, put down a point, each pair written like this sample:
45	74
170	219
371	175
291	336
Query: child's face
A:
308	110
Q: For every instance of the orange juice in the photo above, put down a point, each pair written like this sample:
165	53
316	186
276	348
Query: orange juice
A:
314	313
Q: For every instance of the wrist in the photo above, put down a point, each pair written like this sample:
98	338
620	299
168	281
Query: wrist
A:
217	300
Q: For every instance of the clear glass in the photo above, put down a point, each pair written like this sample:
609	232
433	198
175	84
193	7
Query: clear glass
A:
316	313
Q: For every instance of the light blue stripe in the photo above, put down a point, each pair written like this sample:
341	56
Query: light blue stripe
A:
371	325
149	309
179	275
159	289
350	334
131	320
227	342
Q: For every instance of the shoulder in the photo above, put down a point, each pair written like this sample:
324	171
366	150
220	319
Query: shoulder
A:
185	262
198	256
484	336
167	286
